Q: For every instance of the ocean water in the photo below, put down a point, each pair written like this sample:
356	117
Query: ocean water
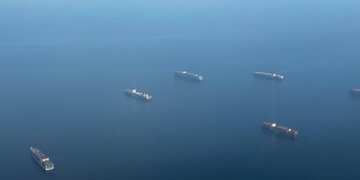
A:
64	66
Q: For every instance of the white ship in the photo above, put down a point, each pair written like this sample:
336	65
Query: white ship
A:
42	159
187	75
267	75
137	94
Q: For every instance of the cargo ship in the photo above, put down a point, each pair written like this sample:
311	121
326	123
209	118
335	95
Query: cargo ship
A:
42	159
280	130
137	94
355	91
274	76
189	76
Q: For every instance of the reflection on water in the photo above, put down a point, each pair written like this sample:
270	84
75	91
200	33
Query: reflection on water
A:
354	95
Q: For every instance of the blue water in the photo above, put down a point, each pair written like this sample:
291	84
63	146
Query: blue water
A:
64	66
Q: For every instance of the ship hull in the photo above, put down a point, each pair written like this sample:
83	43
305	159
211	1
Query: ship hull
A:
188	76
270	76
38	161
280	130
138	97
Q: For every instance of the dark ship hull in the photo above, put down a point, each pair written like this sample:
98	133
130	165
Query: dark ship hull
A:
280	130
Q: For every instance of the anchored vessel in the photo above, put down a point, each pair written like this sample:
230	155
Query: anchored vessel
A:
355	91
187	75
42	159
280	129
137	94
267	75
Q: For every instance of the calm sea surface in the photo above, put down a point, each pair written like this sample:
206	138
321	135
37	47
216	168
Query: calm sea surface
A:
64	66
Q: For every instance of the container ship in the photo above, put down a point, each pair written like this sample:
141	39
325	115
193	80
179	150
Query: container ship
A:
274	76
42	159
280	130
137	94
187	75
